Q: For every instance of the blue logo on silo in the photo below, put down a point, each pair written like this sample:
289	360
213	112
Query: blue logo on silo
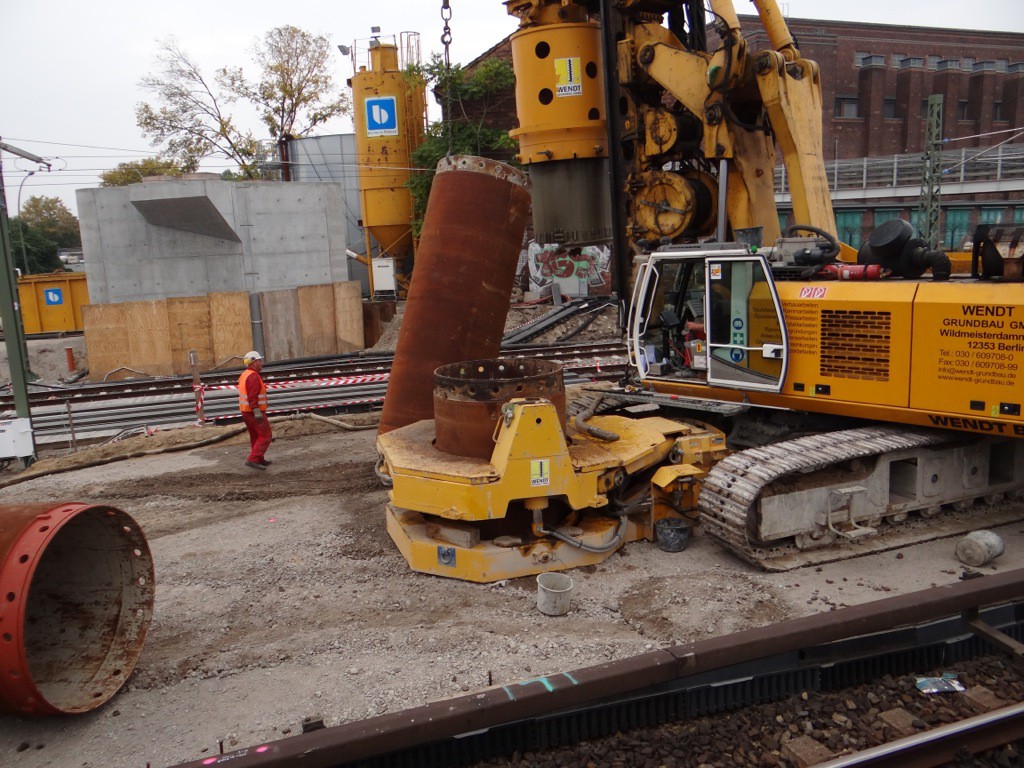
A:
381	116
54	296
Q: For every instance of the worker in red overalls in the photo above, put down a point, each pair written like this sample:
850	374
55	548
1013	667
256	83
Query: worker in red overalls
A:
252	402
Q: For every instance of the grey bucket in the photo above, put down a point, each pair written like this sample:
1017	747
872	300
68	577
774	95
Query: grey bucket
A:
672	534
554	593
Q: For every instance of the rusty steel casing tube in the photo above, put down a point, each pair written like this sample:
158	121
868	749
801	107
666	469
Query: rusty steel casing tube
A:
76	600
468	398
465	268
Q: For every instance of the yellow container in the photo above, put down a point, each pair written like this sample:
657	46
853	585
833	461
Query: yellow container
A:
53	303
390	118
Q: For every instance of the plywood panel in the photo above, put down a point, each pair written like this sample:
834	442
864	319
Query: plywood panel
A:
316	320
348	316
105	349
149	342
188	321
282	335
230	326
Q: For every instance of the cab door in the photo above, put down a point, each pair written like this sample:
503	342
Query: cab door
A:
746	331
640	309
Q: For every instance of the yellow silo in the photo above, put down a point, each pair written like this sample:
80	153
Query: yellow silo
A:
390	120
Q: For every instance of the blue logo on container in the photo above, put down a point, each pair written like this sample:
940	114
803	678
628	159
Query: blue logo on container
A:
54	296
381	116
737	355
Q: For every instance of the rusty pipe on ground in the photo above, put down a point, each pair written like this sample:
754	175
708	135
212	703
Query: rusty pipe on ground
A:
465	268
76	600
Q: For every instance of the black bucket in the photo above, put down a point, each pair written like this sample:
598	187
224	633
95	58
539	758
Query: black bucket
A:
672	534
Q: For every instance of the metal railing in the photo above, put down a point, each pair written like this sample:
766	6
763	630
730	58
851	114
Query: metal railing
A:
960	166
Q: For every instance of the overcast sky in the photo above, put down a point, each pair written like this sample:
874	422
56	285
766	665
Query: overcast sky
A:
72	68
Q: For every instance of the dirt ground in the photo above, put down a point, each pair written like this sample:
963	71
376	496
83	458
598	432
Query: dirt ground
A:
47	359
279	596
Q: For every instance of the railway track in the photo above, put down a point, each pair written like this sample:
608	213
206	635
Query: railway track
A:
358	382
838	689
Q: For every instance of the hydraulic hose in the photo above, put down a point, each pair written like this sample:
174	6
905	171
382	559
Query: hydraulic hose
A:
938	263
611	545
581	426
833	241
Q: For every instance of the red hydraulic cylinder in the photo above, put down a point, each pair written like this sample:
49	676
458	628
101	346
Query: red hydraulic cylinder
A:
76	600
465	268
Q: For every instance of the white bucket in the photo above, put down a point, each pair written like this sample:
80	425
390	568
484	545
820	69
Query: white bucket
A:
979	547
554	593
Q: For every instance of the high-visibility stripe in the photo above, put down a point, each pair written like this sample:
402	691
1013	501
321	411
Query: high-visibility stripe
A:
243	398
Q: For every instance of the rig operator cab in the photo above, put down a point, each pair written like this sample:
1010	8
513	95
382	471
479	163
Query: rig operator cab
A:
708	316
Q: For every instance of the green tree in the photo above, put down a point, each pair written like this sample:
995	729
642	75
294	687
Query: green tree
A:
191	115
33	252
295	92
136	170
52	220
190	118
468	98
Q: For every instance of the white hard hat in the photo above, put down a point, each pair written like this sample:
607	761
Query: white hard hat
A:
251	356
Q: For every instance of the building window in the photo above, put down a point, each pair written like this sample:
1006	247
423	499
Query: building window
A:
924	109
896	58
883	215
961	109
858	58
889	109
846	106
990	215
997	110
933	61
848	225
967	63
958	221
1018	215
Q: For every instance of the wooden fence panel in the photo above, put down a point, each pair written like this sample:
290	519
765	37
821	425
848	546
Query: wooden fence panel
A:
348	316
282	334
230	327
188	321
316	320
105	349
148	337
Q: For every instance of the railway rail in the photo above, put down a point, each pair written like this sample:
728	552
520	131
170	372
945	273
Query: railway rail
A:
812	656
105	409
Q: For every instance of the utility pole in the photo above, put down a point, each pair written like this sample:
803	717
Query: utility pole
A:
10	313
931	180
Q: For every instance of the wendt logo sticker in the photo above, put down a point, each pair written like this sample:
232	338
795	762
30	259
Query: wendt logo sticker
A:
567	74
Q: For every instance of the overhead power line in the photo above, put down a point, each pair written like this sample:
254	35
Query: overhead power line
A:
86	146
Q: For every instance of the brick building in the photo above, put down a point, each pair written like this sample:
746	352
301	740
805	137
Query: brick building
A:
876	80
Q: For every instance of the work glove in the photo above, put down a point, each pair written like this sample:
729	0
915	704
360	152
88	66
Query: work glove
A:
258	415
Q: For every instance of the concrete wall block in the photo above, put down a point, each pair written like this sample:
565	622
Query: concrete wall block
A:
290	235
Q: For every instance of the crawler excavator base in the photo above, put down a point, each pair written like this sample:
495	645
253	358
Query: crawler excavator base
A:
836	495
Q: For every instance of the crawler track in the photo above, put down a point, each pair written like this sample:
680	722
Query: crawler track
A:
730	497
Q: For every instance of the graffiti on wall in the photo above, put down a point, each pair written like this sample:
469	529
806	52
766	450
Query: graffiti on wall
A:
542	264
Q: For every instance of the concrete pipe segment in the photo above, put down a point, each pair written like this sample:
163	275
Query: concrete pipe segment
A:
76	600
465	268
